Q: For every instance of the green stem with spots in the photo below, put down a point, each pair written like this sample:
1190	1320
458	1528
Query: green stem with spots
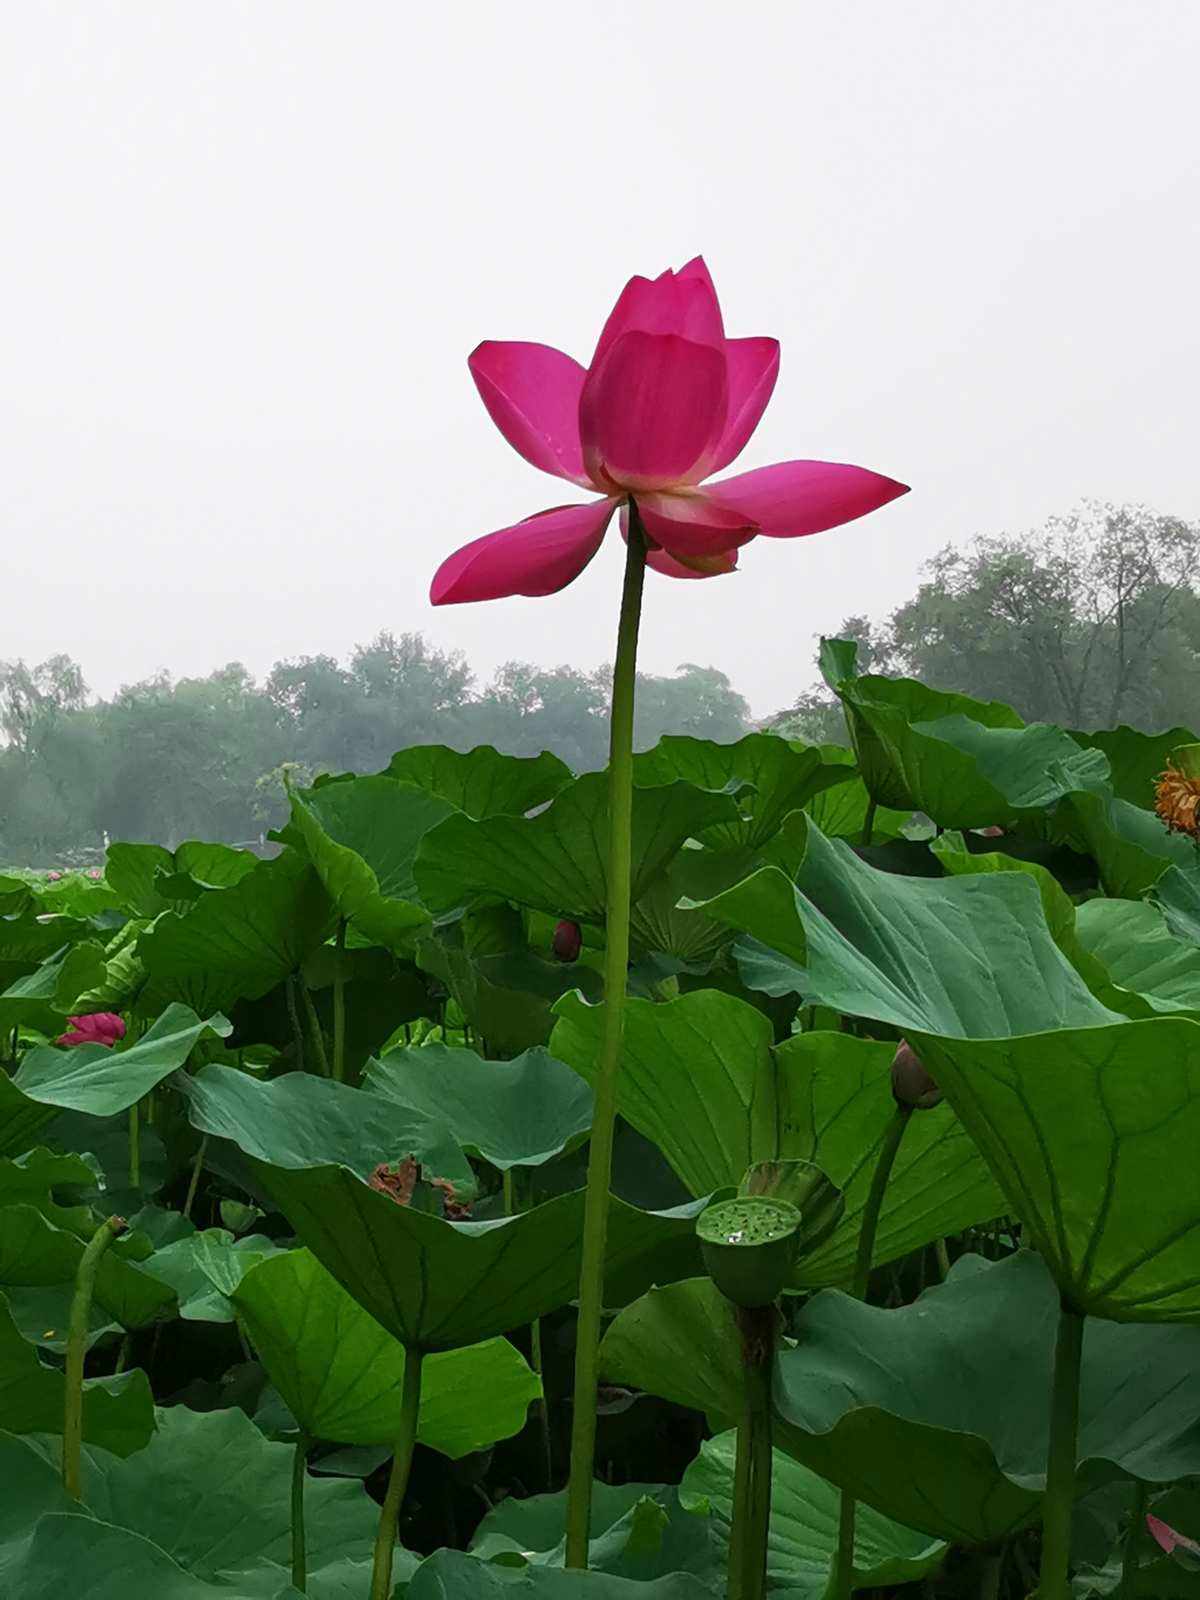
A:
1059	1498
389	1515
77	1331
194	1180
135	1145
339	1005
293	1011
299	1553
869	823
314	1027
616	965
843	1578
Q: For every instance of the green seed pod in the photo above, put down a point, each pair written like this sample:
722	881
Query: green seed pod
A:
749	1247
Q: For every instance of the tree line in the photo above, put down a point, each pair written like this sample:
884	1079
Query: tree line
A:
1089	621
166	760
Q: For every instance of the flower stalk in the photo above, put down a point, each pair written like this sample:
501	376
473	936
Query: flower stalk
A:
752	1479
843	1573
339	1005
1058	1501
616	963
299	1552
389	1515
77	1331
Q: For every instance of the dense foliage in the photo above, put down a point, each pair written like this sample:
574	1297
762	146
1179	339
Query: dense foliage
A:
340	1097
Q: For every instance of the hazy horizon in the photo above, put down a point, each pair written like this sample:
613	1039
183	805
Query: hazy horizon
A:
256	245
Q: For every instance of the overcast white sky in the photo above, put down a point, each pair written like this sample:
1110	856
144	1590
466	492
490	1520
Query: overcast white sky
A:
250	245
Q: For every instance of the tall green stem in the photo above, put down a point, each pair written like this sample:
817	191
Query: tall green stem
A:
991	1569
535	1343
389	1515
1131	1558
135	1145
77	1331
869	823
339	1005
314	1028
616	965
293	1011
753	1467
299	1554
194	1180
843	1580
1059	1498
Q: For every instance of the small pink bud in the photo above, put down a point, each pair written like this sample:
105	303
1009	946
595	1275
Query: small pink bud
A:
94	873
97	1027
912	1084
990	833
567	941
53	877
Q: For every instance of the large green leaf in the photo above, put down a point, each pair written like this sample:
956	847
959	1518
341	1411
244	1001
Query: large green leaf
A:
938	1413
1053	1087
1135	758
341	1373
803	1536
507	996
557	861
1177	895
699	1076
454	1573
681	1342
101	1081
118	1413
433	1284
238	943
205	1268
362	837
637	1530
1079	1126
966	763
968	957
518	1113
769	775
34	1253
1132	847
298	1120
1140	954
131	871
482	782
47	1564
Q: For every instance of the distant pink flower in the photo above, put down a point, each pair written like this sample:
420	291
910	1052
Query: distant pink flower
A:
97	1027
1167	1539
53	877
667	400
94	873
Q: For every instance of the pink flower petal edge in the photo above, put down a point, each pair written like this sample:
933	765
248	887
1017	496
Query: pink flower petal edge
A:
796	498
532	392
536	557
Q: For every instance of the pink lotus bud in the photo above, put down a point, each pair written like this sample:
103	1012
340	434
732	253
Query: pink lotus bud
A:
567	941
990	833
97	1027
94	873
912	1084
53	877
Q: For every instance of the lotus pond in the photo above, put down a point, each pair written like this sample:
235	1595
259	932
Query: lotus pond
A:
901	1273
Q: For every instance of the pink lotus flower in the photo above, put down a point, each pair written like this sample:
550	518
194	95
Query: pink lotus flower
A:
94	873
667	400
97	1027
53	877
